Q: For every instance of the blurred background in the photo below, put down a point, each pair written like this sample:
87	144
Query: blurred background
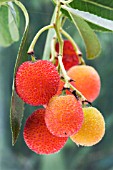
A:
71	157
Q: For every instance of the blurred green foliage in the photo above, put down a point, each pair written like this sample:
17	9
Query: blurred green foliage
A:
71	157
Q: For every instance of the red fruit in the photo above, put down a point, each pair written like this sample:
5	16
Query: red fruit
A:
37	136
70	57
36	82
64	115
87	81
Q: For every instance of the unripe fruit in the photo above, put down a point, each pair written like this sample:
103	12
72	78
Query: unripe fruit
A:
87	81
36	82
37	136
92	130
70	57
64	115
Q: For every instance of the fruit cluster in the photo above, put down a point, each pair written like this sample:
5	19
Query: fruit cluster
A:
65	113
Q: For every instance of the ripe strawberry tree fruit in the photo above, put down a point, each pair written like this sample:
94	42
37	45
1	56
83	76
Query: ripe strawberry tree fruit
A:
64	115
37	136
36	82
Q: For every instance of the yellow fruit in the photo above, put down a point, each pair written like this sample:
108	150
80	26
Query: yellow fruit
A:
92	130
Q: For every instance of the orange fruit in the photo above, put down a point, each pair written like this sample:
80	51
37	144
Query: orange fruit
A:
87	81
64	115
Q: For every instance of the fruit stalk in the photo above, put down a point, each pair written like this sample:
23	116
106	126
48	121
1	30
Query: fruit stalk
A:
72	41
81	60
31	48
53	42
57	26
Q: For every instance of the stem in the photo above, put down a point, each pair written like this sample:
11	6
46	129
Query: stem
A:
33	58
63	20
66	77
31	48
61	43
53	52
57	12
24	10
77	50
57	28
81	61
79	94
72	42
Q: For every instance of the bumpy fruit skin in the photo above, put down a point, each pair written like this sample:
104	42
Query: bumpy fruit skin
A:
64	115
92	130
87	81
36	82
70	57
37	136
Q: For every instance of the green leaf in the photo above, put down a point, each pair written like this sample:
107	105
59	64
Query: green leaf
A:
107	24
5	36
16	115
92	25
92	18
9	32
91	41
12	22
98	28
100	8
17	105
106	4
